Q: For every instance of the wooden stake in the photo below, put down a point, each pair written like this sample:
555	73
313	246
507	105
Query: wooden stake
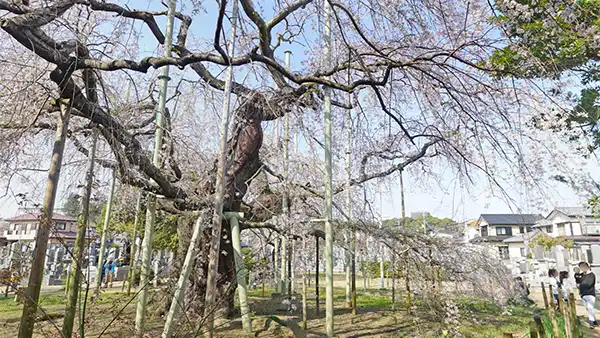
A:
540	326
545	296
533	333
552	314
564	311
573	316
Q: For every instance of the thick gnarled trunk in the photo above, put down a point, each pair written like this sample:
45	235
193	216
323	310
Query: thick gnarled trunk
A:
196	287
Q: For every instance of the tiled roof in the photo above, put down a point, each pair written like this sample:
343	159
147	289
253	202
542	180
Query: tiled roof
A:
542	223
473	223
575	211
515	239
486	239
35	216
584	238
63	234
511	219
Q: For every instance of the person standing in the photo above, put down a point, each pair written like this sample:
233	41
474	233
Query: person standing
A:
587	290
110	272
554	283
566	284
102	269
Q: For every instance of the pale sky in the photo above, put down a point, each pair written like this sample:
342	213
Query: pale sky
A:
443	199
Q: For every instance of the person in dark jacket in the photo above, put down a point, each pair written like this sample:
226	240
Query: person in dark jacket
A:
587	290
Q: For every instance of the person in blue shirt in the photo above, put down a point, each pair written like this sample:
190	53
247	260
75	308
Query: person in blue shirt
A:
109	270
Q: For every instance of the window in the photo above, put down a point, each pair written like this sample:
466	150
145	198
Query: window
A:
548	229
571	228
504	231
523	252
60	225
503	251
484	231
521	229
561	229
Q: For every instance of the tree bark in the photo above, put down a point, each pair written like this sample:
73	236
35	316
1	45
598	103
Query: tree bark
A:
36	275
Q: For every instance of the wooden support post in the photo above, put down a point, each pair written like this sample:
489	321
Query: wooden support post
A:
552	313
533	333
573	316
540	327
545	296
564	312
561	306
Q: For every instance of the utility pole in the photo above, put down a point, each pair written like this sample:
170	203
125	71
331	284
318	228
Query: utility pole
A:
328	192
217	222
111	192
30	301
142	299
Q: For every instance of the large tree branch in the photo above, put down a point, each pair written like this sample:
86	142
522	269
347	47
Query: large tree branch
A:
285	12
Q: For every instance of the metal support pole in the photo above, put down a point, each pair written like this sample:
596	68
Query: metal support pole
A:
177	300
276	263
214	251
317	274
132	261
239	269
328	190
146	248
283	268
111	193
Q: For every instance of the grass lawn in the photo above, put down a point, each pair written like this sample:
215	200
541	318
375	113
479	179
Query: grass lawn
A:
375	317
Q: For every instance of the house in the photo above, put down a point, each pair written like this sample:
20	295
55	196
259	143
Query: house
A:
577	224
570	221
495	228
519	252
471	230
17	242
